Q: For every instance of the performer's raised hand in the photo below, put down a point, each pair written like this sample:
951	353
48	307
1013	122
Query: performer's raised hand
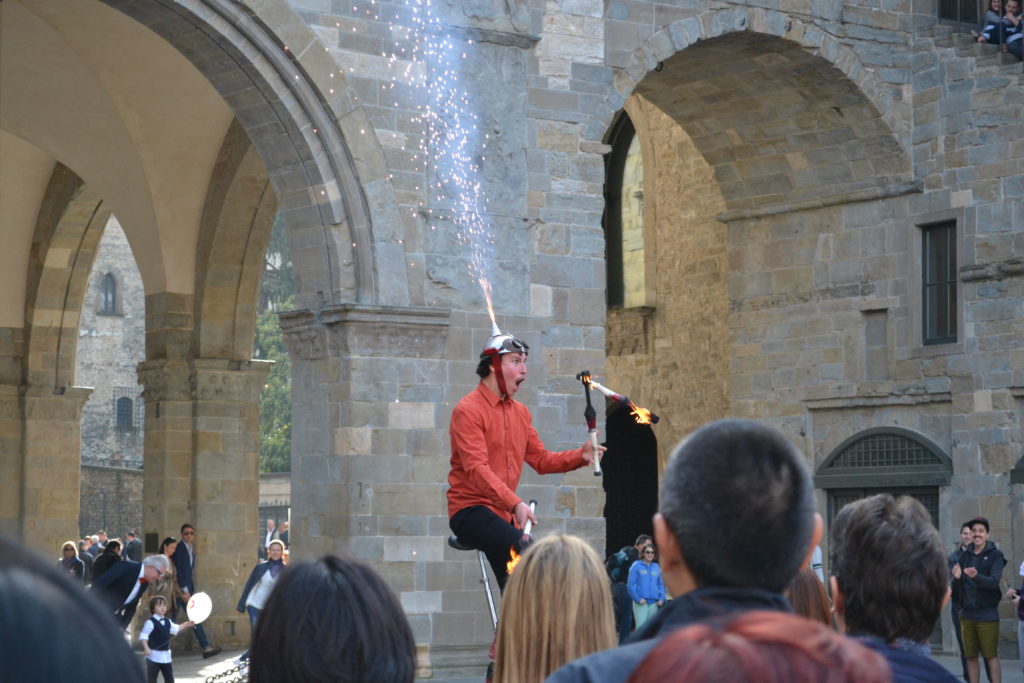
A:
522	513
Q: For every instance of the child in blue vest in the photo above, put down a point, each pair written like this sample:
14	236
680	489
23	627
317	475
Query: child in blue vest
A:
156	640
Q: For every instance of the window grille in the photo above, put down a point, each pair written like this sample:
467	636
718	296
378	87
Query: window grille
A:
885	450
127	409
939	275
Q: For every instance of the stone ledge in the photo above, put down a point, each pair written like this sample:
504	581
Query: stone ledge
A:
872	400
494	37
864	195
998	270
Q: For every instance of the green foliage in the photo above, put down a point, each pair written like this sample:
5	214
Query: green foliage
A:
276	398
276	284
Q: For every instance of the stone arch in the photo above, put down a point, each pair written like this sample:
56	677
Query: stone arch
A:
67	234
70	223
237	219
768	125
326	166
839	135
684	33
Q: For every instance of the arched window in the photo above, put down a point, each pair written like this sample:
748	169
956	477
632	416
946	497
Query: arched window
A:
123	410
624	218
890	460
108	295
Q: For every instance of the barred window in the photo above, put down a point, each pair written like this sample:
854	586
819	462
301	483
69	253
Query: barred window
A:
938	270
124	414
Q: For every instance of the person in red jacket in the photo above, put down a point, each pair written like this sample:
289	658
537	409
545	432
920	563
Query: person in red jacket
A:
492	435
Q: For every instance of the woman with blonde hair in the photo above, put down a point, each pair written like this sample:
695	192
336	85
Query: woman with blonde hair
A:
557	607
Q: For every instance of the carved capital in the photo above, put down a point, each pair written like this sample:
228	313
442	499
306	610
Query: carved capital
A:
368	331
202	379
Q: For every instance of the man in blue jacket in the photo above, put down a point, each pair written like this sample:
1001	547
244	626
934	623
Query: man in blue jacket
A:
755	490
184	566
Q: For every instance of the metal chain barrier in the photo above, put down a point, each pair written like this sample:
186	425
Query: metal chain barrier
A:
236	674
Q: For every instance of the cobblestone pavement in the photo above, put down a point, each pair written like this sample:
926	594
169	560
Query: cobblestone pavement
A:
192	668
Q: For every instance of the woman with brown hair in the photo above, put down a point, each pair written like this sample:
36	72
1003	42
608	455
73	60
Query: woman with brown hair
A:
761	647
557	607
166	587
808	597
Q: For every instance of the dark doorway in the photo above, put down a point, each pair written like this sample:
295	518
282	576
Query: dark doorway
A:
630	479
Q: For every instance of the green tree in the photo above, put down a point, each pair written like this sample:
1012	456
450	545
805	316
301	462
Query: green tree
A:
276	397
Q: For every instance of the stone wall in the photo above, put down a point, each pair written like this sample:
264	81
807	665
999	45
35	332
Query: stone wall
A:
677	363
111	500
790	155
110	345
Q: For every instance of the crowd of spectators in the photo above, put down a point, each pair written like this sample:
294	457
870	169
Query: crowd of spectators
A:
734	595
1002	26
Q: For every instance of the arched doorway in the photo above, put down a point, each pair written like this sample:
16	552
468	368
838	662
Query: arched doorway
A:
890	460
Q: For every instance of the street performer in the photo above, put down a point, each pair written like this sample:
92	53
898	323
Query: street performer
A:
492	435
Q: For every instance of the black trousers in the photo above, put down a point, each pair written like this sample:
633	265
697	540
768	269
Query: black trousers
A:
479	527
153	668
623	604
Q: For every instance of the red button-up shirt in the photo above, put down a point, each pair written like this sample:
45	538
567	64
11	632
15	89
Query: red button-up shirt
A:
491	438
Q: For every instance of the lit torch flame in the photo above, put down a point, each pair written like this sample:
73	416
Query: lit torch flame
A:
641	415
511	564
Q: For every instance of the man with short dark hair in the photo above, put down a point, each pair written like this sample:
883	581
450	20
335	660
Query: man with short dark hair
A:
184	567
954	602
889	582
271	535
132	550
976	577
731	479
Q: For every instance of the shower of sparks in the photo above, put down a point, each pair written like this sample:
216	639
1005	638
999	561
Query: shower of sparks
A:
427	58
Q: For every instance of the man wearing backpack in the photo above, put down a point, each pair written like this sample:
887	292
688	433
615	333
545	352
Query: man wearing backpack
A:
618	565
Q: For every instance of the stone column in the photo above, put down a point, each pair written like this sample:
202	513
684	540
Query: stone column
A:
202	462
10	460
366	383
51	472
368	444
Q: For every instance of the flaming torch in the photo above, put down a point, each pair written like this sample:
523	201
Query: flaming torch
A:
513	555
641	415
590	415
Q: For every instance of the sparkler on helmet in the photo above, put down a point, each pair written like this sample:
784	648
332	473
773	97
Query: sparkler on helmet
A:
591	417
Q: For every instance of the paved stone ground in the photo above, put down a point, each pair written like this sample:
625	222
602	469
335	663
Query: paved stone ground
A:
195	669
